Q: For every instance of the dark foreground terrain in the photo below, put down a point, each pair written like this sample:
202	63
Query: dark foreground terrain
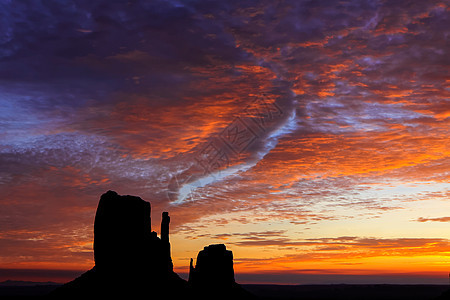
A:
347	291
24	289
316	292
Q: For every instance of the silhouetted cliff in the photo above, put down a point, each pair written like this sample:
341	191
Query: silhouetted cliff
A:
213	274
131	260
129	257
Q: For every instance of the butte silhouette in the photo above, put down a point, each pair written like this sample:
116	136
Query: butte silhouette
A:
132	261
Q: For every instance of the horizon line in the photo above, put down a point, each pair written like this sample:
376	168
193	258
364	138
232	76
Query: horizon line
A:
264	278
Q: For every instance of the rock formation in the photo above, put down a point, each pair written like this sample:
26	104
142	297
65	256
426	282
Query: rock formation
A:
124	242
214	268
129	257
132	261
213	274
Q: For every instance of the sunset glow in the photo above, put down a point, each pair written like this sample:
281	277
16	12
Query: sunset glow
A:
310	137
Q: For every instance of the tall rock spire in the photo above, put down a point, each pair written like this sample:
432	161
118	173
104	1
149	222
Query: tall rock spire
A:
165	227
165	221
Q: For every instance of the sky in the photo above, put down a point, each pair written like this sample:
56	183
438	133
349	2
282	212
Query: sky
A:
310	137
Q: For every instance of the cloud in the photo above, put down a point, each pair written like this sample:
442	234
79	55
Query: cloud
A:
371	246
441	219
